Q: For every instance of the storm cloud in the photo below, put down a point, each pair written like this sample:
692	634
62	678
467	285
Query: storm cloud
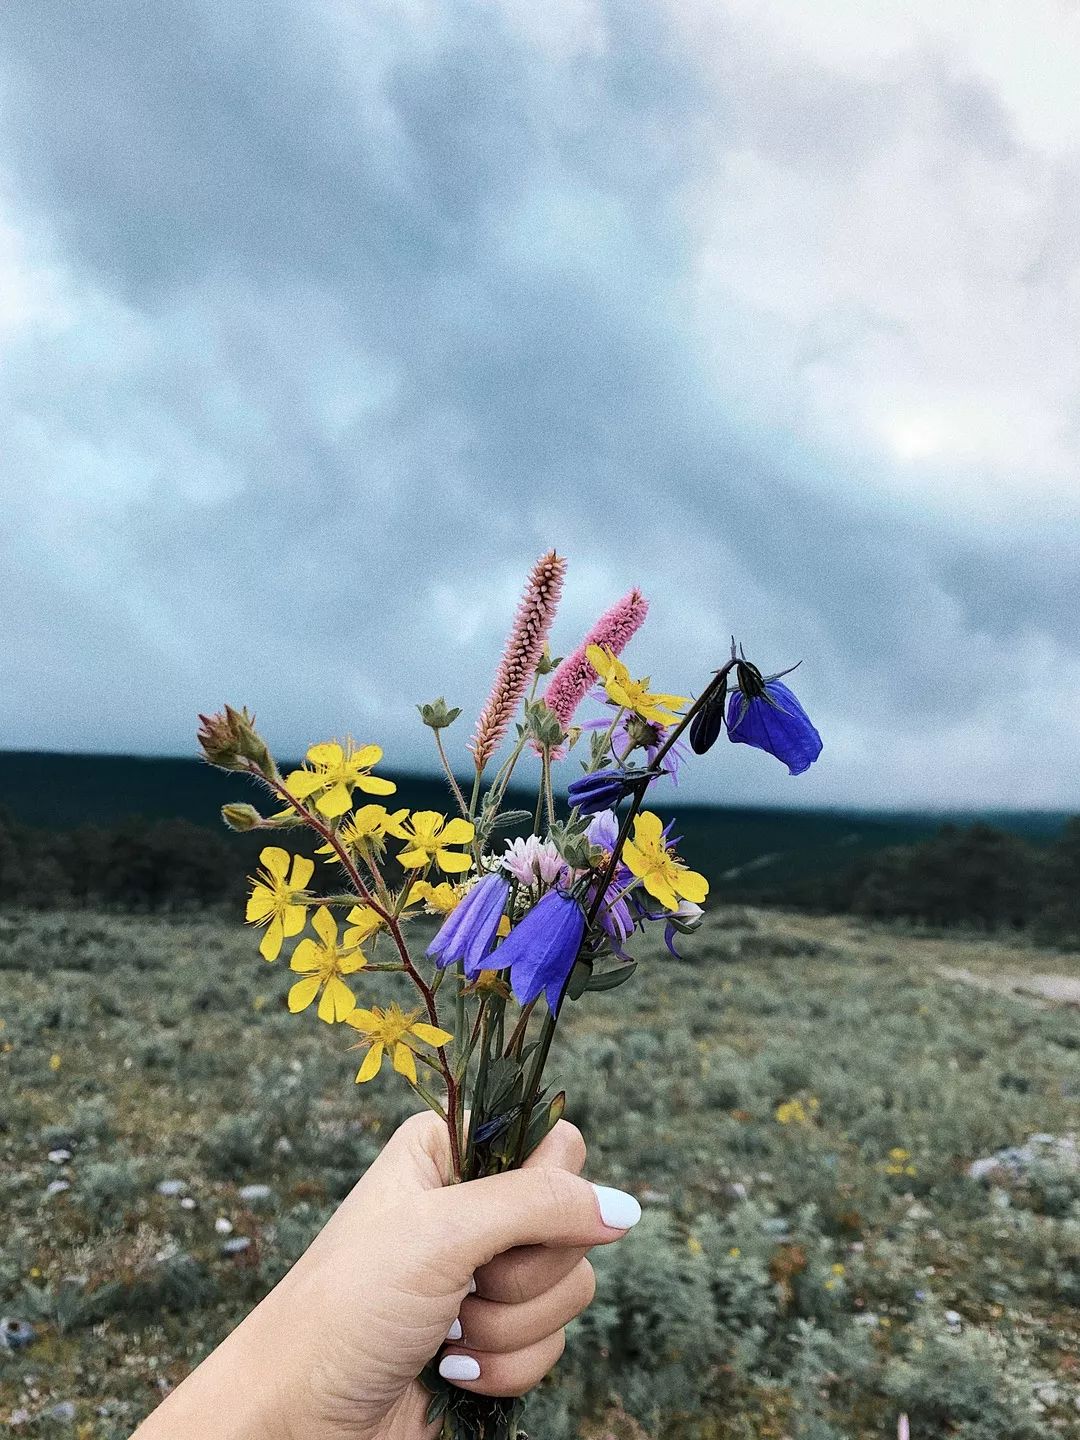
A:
319	322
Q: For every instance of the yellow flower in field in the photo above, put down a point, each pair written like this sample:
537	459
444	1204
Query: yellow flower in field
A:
429	833
323	965
441	898
364	922
632	694
278	900
899	1162
662	873
796	1112
396	1031
335	772
54	1063
366	829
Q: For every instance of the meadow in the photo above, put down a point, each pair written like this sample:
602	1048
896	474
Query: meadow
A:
798	1103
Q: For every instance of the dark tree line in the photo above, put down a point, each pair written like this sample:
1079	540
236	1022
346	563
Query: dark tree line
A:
971	877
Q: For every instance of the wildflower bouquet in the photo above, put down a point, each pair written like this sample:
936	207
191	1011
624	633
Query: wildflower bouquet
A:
529	923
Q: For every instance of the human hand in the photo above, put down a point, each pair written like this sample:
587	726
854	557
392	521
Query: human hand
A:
335	1349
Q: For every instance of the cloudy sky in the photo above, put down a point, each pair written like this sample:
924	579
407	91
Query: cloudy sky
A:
320	319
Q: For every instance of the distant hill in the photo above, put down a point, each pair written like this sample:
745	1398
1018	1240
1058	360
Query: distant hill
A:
743	850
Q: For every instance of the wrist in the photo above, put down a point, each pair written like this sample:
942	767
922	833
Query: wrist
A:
241	1391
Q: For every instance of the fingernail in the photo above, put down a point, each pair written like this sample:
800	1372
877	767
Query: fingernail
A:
472	1284
617	1209
459	1367
454	1333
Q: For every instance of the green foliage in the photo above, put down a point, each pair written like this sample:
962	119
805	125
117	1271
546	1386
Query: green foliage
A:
782	1283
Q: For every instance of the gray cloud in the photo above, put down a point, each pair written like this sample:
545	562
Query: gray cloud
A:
345	316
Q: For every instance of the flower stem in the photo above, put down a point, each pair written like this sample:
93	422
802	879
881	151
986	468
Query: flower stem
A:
393	925
454	786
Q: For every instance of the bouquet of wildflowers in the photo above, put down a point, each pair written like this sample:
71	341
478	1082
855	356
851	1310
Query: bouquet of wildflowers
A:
527	924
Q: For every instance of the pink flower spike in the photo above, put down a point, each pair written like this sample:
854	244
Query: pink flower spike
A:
521	656
572	679
903	1430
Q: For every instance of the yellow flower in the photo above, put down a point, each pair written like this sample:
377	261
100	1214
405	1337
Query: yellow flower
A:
278	899
664	876
366	830
632	694
324	965
694	1245
397	1032
364	922
440	899
797	1112
54	1063
429	833
336	772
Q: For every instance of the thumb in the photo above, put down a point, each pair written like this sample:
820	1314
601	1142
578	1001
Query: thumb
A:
473	1222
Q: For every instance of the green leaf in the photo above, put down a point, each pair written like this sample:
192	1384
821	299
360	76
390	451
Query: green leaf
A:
611	979
579	980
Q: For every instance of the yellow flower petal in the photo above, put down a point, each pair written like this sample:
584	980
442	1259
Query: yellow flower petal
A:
364	1020
412	859
600	659
351	961
431	1034
404	1063
365	757
335	802
293	919
337	1001
324	925
648	827
260	904
305	958
302	871
303	993
375	785
426	824
658	886
270	946
691	886
275	860
302	783
329	753
452	861
457	832
372	1061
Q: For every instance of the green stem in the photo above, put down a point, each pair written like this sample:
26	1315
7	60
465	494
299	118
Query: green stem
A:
454	786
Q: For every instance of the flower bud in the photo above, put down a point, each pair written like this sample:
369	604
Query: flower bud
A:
230	741
751	681
241	817
543	725
437	714
546	664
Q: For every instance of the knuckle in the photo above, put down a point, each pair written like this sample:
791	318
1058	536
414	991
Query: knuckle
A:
574	1141
563	1189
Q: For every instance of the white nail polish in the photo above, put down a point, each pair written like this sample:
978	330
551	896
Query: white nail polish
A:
472	1284
454	1333
459	1367
617	1209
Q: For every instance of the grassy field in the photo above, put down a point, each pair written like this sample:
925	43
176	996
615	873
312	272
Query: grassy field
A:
796	1104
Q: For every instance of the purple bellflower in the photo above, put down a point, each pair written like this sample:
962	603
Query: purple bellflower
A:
601	789
781	728
468	932
542	947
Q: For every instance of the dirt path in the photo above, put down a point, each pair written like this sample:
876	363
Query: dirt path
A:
1060	989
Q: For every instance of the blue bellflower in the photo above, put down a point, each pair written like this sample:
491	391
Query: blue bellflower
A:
542	947
468	932
782	729
600	790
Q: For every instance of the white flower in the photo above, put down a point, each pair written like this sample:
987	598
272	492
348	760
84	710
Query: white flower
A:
531	859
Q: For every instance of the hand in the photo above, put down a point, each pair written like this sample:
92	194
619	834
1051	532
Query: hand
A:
333	1353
